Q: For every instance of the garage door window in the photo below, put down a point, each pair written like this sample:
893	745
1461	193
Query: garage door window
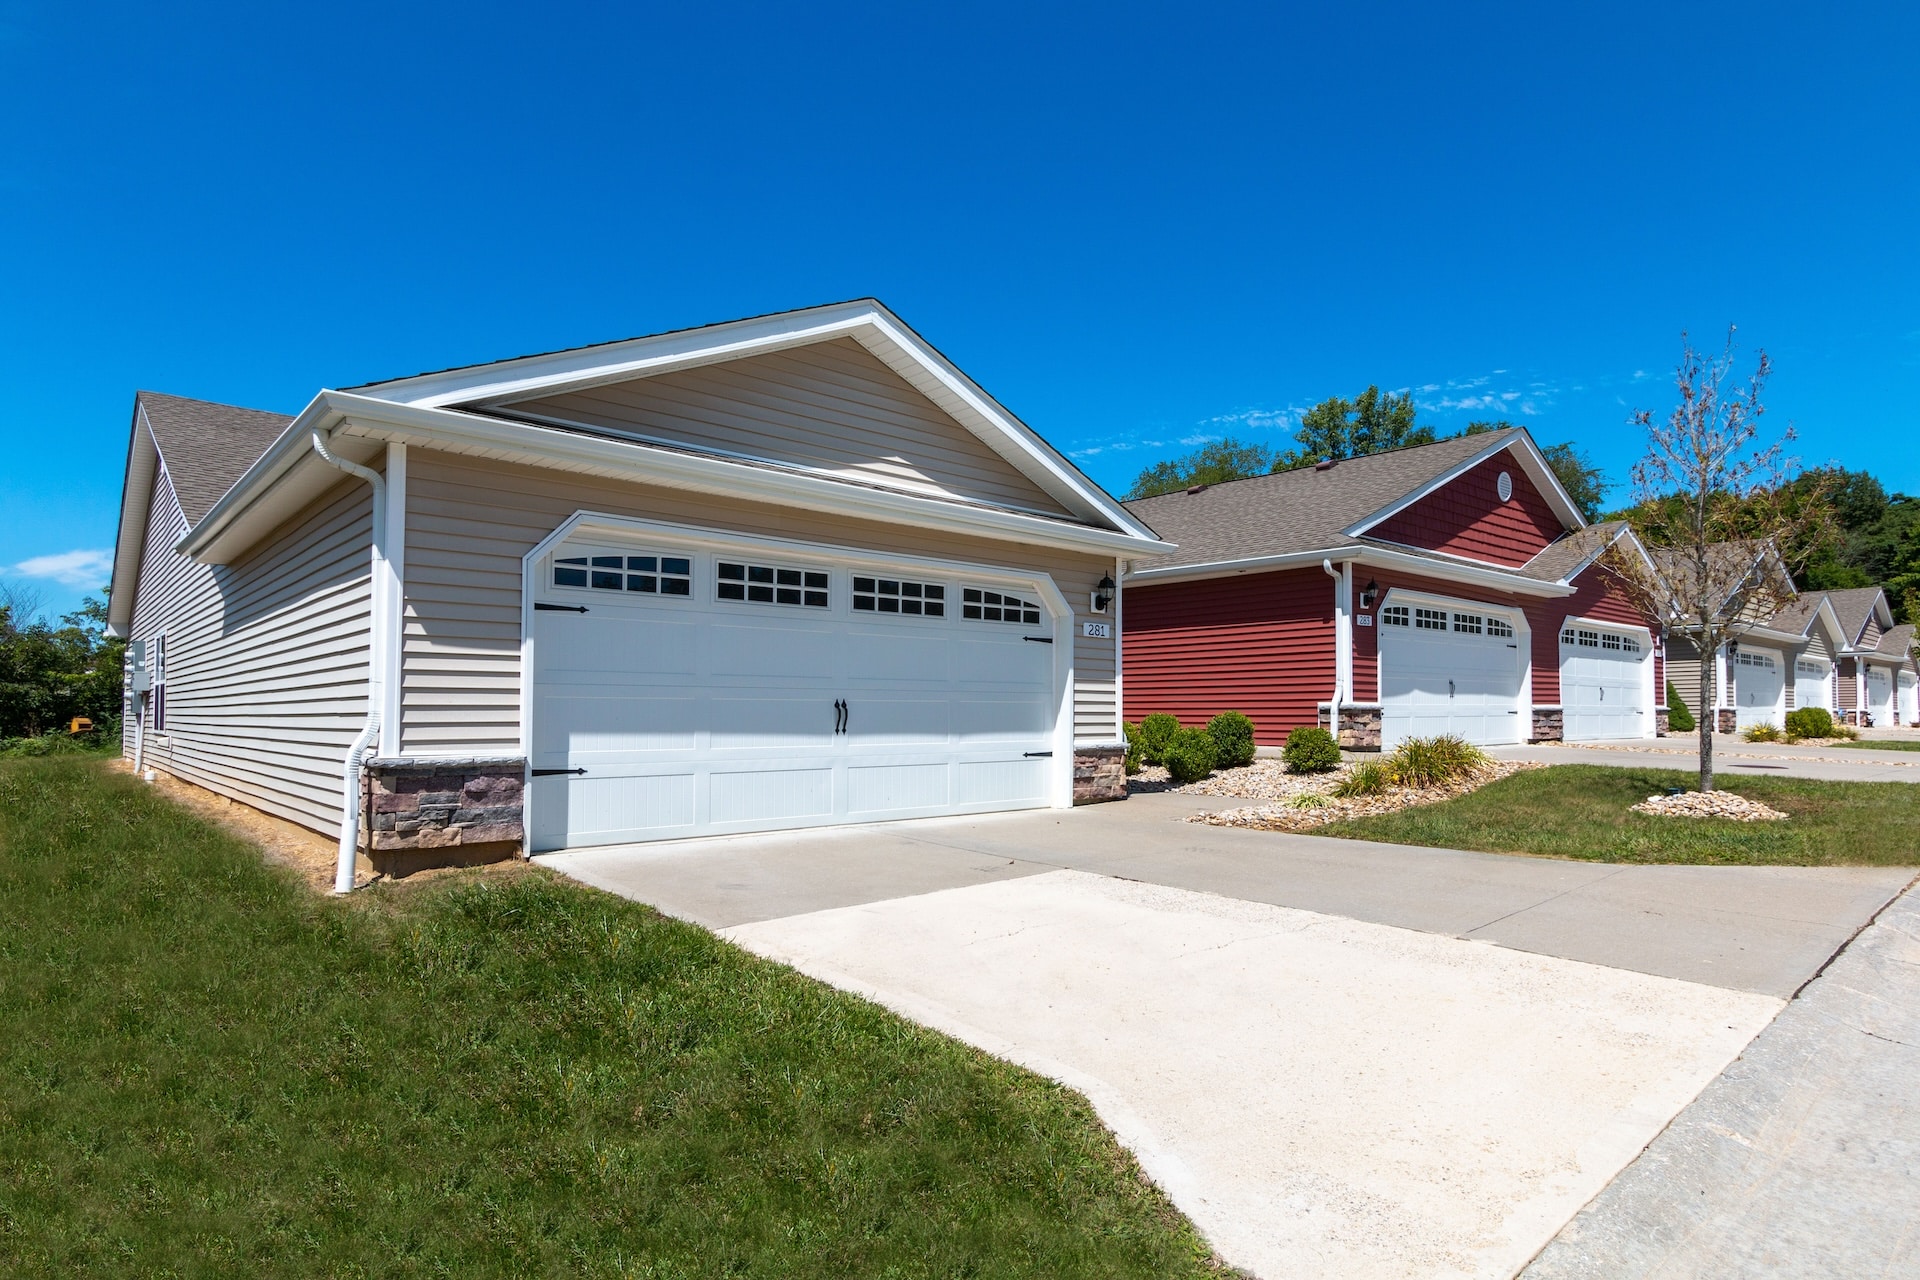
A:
771	584
1430	619
982	605
1469	623
1813	670
893	595
651	575
1753	660
1500	628
1394	615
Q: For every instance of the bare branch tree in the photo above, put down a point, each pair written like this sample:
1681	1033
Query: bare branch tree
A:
1723	526
22	604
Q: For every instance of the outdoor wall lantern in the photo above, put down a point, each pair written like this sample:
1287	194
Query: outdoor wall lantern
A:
1103	594
1368	593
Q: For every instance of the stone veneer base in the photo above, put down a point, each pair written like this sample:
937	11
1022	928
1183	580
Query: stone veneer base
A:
1661	725
423	813
1099	774
1359	725
1549	725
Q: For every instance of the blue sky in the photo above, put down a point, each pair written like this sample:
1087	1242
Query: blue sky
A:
1139	228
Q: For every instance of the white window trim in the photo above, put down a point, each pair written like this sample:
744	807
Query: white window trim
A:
536	565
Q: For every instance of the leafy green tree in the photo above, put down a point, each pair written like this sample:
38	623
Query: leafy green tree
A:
1338	428
1215	462
1585	483
49	674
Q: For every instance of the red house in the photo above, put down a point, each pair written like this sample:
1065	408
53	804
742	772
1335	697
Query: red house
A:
1446	588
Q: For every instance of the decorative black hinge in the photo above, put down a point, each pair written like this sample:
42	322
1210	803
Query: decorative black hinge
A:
1034	755
1038	639
549	773
559	608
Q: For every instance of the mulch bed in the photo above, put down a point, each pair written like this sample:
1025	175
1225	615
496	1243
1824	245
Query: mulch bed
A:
1311	804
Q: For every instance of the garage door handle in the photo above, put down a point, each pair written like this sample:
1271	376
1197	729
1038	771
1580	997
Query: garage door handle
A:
549	773
1038	639
1034	755
559	608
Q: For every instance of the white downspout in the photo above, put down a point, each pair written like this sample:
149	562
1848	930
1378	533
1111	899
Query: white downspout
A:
376	666
1342	639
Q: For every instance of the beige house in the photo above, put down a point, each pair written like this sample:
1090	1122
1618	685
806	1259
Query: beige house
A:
788	571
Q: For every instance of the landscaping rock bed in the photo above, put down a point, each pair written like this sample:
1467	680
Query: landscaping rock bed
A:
1309	804
1264	779
1709	804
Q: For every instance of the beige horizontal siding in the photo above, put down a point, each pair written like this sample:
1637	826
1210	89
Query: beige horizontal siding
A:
266	658
470	522
831	406
1683	671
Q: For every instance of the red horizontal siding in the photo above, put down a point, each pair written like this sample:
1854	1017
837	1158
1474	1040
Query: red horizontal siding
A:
1257	643
1465	517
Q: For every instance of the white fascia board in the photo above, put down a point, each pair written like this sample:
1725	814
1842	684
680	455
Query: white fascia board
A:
1531	460
866	321
351	416
130	542
1377	557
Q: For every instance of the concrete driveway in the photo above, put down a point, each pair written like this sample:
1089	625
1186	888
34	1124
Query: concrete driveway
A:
1340	1059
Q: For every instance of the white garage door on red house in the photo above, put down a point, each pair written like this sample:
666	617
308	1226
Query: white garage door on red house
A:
680	691
1451	668
1605	679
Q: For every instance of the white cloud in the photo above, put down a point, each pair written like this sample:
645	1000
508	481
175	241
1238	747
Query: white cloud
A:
80	570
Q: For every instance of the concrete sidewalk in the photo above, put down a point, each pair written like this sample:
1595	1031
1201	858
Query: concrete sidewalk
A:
1801	1160
1763	929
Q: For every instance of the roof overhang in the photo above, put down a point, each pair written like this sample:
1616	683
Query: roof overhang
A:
505	383
1531	460
289	475
1373	556
136	503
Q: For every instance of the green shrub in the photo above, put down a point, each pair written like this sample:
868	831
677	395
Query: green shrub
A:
1679	719
1232	735
1156	731
1809	722
1135	745
1189	755
1311	749
1766	731
1846	731
1433	762
57	743
1369	779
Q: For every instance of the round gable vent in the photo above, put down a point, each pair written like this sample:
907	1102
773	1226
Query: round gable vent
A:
1505	486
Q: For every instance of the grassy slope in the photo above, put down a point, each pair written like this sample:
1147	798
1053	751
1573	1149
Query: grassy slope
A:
1581	811
205	1070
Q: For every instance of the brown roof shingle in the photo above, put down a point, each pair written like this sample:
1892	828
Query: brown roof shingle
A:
1299	510
206	446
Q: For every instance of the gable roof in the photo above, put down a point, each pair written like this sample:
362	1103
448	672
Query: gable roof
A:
1898	641
1854	605
204	448
1565	557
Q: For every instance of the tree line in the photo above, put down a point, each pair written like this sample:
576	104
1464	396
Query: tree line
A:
51	672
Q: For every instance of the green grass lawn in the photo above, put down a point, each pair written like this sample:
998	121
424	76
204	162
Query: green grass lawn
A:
1582	811
1884	744
206	1070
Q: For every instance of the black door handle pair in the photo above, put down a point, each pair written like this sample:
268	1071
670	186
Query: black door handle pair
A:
841	714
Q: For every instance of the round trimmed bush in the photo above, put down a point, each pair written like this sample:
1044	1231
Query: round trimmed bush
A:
1809	722
1156	731
1232	735
1189	755
1311	749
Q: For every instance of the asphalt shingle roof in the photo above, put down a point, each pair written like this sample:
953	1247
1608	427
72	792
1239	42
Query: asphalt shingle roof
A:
207	446
1563	555
1853	605
1897	641
1300	510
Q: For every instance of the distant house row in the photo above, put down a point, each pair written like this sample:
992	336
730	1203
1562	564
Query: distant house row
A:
1455	588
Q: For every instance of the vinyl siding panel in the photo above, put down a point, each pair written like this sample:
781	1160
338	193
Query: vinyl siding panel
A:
1870	634
1849	699
1466	517
469	523
265	659
1683	670
832	407
1257	643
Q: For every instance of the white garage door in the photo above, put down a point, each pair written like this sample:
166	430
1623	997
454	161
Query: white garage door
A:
1880	696
1603	683
1450	669
1909	707
1759	683
1812	683
683	692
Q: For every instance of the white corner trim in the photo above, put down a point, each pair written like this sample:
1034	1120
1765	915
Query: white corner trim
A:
393	589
